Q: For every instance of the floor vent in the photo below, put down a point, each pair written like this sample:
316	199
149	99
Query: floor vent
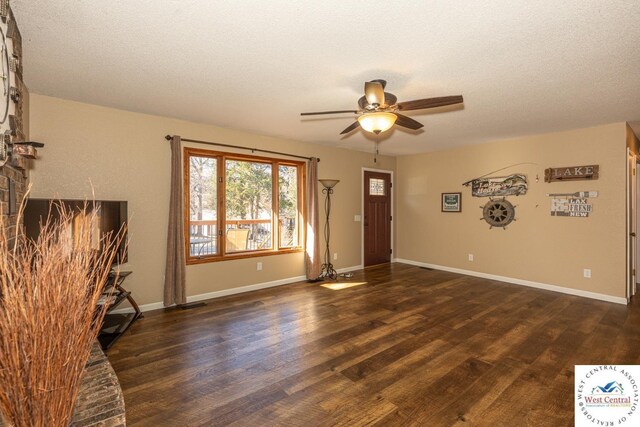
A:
427	268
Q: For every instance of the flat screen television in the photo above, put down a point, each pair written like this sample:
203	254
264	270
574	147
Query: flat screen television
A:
112	216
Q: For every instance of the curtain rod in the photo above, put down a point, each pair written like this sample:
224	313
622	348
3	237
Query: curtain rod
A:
170	137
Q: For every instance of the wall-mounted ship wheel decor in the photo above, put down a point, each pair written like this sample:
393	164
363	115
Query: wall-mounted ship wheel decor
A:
498	213
14	148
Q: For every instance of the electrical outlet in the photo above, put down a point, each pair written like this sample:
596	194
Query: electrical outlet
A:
335	256
259	266
356	218
470	257
587	273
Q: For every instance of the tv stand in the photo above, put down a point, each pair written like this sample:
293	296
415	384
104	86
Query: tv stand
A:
116	324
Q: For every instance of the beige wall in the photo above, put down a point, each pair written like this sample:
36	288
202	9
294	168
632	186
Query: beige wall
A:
537	247
125	156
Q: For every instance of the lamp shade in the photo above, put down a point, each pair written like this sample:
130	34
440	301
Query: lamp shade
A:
377	122
329	183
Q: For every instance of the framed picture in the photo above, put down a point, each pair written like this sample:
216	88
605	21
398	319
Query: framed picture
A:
451	202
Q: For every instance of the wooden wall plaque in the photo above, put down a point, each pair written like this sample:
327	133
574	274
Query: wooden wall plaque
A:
572	173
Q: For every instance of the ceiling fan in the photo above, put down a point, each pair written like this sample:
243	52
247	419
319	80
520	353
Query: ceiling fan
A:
379	110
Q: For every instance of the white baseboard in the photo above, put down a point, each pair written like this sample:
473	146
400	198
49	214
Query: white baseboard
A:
144	307
232	291
348	269
555	288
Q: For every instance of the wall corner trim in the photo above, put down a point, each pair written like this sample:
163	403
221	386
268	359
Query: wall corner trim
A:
232	291
538	285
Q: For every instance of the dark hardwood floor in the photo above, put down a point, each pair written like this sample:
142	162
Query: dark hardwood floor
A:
410	347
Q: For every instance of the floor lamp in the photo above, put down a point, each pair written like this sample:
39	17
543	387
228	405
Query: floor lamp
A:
327	270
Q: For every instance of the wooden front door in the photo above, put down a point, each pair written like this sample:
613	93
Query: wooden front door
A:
377	218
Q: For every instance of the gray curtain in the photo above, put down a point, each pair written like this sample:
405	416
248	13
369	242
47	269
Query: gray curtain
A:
312	238
174	275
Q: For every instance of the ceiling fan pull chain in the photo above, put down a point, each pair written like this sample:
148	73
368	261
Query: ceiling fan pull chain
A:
377	142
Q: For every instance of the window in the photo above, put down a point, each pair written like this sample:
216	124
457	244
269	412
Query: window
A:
376	187
241	206
288	206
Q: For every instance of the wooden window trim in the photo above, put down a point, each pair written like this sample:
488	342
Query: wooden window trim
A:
221	158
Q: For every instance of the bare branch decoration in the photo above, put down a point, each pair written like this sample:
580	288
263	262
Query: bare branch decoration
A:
49	315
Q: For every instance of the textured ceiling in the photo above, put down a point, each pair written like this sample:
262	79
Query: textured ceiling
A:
524	67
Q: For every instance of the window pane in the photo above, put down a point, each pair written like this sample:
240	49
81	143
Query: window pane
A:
376	187
288	206
203	206
249	206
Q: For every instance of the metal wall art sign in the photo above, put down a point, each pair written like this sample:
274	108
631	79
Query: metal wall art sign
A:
572	204
571	173
512	185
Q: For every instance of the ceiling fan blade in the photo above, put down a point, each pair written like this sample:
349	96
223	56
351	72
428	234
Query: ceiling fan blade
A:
420	104
329	112
407	122
374	92
389	99
351	127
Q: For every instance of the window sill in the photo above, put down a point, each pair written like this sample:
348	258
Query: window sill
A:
241	255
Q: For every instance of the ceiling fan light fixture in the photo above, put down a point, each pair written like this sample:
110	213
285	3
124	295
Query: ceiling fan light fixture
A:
379	110
377	122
